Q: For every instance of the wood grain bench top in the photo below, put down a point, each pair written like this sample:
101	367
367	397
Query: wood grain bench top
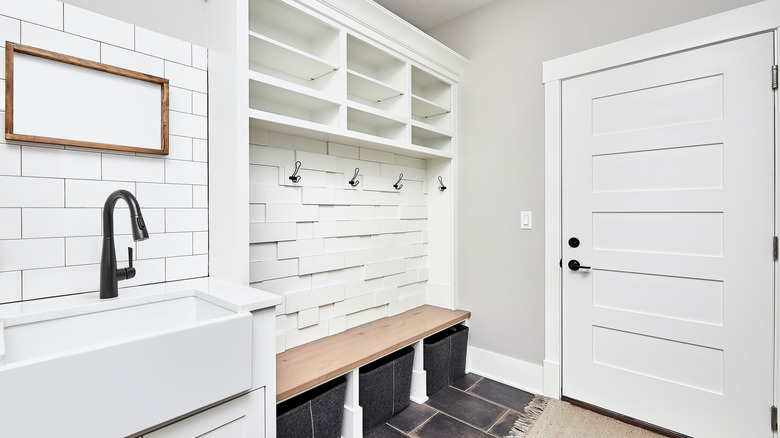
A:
308	365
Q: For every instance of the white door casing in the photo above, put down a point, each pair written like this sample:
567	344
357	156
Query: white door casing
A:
667	175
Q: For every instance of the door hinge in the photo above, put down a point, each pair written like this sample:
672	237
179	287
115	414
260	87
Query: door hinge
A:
774	418
774	77
774	248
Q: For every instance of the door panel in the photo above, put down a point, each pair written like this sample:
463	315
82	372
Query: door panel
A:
667	179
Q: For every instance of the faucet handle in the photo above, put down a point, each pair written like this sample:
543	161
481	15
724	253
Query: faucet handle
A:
128	272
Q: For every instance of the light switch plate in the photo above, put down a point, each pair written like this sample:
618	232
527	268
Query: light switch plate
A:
526	220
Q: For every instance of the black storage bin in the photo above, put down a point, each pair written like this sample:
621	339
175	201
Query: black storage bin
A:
459	343
444	357
385	387
320	409
436	357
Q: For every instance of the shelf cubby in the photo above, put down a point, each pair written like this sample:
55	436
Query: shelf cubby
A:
291	44
373	75
430	113
277	59
369	91
431	138
296	105
372	124
431	99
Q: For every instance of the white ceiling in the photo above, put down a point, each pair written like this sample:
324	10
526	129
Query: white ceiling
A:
427	14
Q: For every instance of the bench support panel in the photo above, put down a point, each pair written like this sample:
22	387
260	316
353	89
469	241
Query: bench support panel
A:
419	388
353	413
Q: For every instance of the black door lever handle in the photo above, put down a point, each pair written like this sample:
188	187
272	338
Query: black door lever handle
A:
574	265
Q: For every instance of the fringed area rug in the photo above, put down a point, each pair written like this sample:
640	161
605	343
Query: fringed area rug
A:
550	418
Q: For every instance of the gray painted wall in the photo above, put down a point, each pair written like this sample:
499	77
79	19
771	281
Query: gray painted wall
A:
501	146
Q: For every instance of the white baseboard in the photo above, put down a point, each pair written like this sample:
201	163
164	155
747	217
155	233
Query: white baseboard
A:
514	372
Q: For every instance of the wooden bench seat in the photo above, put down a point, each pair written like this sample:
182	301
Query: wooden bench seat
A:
311	364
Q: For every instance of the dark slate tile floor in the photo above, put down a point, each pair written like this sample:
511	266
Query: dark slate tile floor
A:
472	407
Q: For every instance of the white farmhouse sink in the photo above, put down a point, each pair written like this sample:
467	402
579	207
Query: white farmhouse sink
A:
48	336
114	369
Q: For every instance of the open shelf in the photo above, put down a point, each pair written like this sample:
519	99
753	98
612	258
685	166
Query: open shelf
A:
372	124
431	138
284	125
423	109
431	99
369	91
430	113
376	64
286	62
293	27
296	105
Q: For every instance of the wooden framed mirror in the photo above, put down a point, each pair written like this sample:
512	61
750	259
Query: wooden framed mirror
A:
60	99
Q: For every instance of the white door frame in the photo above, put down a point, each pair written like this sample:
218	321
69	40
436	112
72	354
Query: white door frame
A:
751	19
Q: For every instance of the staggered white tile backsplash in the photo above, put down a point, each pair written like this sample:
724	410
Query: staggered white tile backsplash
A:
51	197
339	256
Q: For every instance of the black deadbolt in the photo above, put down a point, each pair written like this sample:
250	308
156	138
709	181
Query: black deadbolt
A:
574	242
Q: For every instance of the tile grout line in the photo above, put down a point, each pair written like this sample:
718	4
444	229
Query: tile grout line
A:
425	422
464	422
399	430
498	421
473	384
491	401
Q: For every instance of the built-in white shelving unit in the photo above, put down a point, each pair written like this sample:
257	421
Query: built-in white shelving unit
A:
306	70
347	73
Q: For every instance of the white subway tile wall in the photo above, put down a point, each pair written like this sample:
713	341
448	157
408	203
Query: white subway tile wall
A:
99	27
51	197
62	42
339	255
132	60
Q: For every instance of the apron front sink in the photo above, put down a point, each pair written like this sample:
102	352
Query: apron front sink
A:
115	370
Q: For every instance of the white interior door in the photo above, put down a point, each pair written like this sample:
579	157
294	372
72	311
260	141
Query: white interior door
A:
668	185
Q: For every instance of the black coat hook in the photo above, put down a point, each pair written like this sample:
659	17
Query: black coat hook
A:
398	185
295	177
354	182
442	187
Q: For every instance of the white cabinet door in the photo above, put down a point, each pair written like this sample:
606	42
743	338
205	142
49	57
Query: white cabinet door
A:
668	186
239	418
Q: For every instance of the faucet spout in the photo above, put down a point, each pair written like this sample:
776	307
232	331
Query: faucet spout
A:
109	274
